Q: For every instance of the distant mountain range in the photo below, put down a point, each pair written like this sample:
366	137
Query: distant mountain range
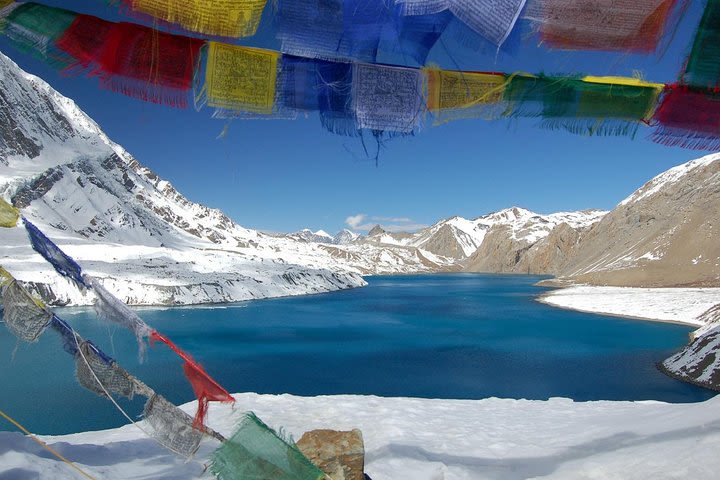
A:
665	234
151	245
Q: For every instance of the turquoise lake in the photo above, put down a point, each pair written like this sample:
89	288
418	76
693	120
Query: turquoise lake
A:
435	336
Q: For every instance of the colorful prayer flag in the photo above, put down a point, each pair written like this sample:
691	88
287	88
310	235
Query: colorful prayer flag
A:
703	65
255	451
63	264
688	118
612	25
387	98
227	18
493	19
206	389
452	95
241	78
34	29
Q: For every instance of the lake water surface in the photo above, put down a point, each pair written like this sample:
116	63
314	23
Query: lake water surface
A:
438	336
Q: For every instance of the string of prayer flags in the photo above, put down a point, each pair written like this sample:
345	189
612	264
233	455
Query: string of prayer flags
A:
26	317
226	18
63	264
257	451
112	309
34	29
688	118
453	95
612	25
240	78
703	65
8	214
387	99
206	389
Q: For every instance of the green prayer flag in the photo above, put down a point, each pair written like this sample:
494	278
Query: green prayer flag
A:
256	452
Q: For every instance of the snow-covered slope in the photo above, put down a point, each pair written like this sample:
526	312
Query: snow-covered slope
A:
425	439
699	362
664	234
125	225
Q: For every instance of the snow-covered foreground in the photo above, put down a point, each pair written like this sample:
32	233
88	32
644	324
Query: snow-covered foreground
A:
682	305
421	439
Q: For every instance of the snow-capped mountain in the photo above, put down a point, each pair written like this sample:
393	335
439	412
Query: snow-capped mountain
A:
664	234
308	235
457	243
517	240
123	224
345	236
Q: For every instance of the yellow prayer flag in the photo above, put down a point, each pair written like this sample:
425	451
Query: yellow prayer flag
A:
227	18
627	81
241	78
5	3
456	90
8	214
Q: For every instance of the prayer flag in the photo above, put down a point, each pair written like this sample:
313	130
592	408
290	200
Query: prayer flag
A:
26	317
387	98
703	65
63	264
206	389
241	78
227	18
171	427
612	25
255	451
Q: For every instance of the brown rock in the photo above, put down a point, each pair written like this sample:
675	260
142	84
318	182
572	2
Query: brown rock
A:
341	455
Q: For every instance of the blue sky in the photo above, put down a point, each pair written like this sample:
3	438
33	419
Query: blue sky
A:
281	175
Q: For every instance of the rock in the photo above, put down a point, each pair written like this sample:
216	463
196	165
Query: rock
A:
339	454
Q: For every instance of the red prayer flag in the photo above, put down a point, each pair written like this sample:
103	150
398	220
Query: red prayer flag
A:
688	118
135	60
206	389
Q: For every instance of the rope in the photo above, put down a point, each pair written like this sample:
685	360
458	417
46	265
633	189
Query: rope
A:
45	445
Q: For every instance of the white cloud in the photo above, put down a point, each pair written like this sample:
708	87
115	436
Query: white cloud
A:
353	221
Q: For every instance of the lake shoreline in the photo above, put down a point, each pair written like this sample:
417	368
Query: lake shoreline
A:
680	306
